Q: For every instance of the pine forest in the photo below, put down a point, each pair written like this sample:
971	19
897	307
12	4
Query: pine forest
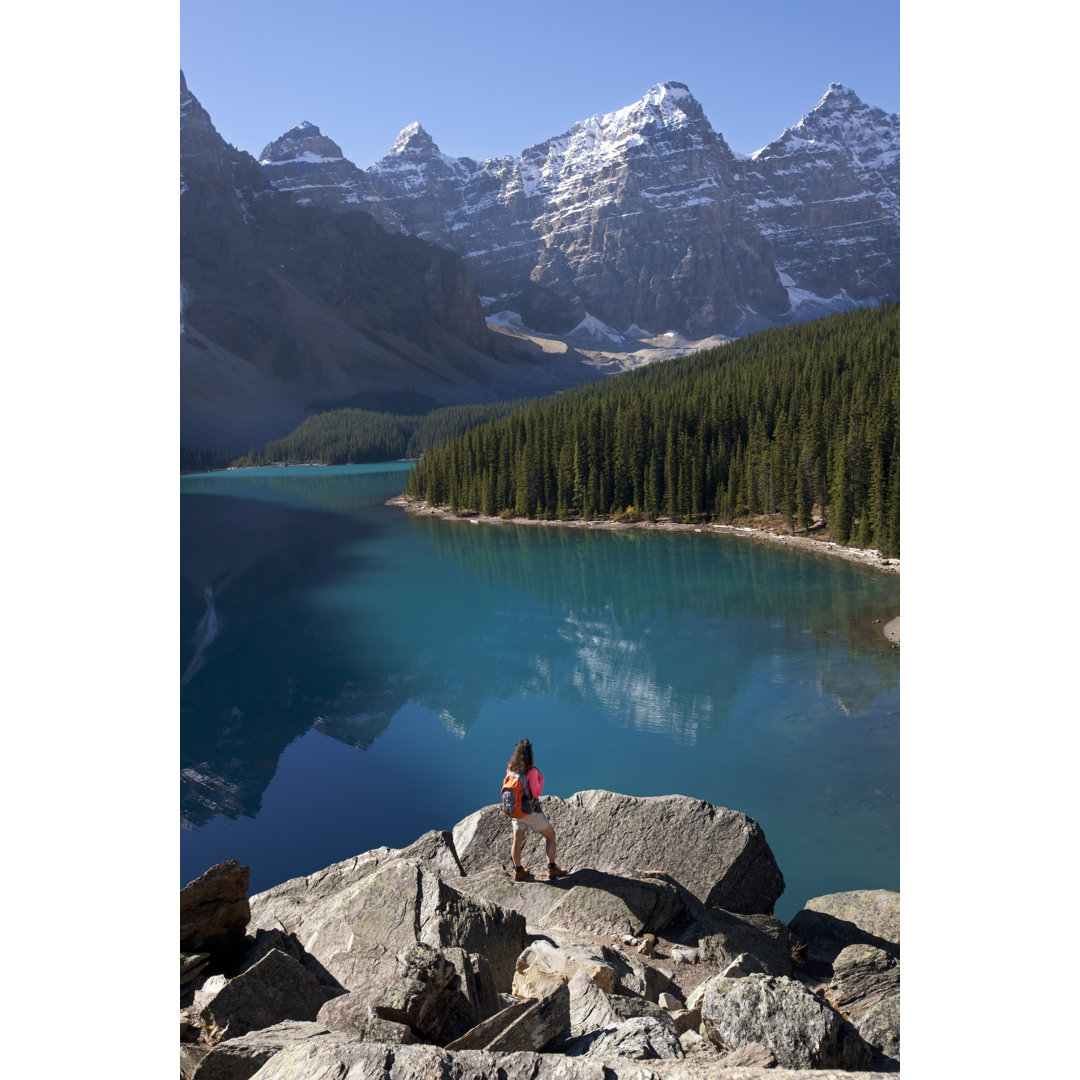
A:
352	436
799	424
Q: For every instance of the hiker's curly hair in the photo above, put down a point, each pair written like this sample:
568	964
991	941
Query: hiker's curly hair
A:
522	761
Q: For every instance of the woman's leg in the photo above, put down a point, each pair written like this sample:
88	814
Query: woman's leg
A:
549	836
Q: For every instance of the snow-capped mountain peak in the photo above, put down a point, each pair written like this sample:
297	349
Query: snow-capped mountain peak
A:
838	92
645	216
667	105
666	109
303	143
841	122
413	140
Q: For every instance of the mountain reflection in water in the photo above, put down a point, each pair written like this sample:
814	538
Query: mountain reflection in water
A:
658	662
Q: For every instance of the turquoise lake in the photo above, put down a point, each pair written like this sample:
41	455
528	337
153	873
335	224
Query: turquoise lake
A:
353	676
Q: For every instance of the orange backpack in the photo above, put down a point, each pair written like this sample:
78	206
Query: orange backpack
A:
516	802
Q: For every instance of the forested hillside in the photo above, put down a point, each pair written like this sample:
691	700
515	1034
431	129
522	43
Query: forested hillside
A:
801	422
352	436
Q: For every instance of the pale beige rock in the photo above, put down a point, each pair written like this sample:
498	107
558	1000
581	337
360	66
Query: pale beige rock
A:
752	1054
684	955
542	965
686	1019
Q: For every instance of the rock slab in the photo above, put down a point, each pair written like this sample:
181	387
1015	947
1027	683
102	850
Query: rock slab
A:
830	923
277	988
729	865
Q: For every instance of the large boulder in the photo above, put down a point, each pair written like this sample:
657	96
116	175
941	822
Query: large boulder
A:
436	997
277	988
628	1006
587	902
241	1058
354	1013
265	941
358	920
865	987
719	855
284	905
544	965
801	1030
599	1025
721	936
214	910
640	1038
830	923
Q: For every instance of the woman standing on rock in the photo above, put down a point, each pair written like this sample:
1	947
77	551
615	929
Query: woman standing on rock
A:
521	764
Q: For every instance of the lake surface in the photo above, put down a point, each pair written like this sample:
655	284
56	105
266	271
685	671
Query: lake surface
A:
353	676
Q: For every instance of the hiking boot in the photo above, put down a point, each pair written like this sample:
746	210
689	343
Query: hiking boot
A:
556	872
521	873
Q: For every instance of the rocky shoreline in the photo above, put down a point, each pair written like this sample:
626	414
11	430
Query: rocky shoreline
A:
656	957
864	556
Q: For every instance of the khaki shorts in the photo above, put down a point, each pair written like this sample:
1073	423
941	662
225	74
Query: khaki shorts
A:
536	821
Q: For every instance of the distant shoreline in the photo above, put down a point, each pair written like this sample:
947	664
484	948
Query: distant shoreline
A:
865	557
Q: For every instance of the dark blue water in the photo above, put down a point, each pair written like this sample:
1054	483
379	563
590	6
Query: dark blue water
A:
352	676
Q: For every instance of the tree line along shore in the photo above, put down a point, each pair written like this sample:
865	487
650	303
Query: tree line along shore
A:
799	424
795	431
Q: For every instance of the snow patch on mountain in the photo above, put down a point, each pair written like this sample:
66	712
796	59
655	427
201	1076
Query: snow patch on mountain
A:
806	304
592	327
506	318
307	157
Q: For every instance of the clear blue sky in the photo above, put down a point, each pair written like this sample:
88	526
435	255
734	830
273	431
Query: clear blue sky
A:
491	79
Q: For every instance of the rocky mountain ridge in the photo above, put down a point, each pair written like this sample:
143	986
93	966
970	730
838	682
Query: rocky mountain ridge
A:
643	218
285	305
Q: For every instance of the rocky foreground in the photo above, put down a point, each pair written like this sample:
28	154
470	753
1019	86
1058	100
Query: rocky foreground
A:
657	957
